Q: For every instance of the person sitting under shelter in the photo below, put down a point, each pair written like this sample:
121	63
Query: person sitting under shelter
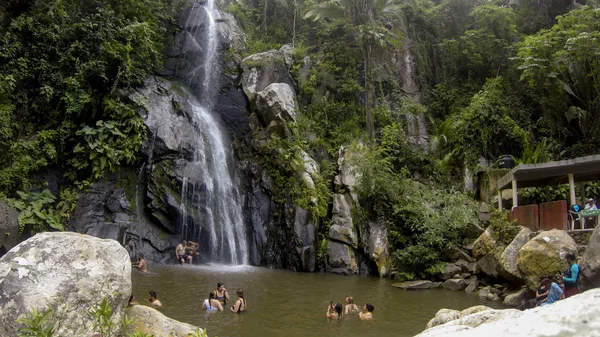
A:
590	205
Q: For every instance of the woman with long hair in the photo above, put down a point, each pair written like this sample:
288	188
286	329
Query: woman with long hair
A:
212	304
334	312
240	304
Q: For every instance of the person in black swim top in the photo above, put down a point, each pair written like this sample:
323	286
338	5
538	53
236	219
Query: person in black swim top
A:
221	293
240	304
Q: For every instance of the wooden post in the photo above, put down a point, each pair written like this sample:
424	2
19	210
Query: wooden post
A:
500	200
514	193
572	190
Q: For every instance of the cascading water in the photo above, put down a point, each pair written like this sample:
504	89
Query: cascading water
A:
211	206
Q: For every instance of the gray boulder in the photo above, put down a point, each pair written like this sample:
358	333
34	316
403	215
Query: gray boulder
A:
261	70
449	270
67	272
472	285
455	284
590	262
277	103
153	323
508	261
513	300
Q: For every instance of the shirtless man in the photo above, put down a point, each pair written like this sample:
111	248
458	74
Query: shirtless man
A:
153	300
141	264
180	252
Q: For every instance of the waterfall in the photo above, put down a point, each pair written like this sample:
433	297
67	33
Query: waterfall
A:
210	201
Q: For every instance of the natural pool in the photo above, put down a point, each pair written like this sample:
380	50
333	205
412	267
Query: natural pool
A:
284	303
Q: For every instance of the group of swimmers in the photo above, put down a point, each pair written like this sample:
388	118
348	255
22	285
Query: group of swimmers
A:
218	298
186	251
335	311
215	301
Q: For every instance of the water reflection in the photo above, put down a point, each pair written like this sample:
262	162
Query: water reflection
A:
282	303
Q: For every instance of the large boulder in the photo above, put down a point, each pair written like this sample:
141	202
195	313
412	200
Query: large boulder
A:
513	300
67	272
447	315
590	262
449	270
544	254
9	228
576	316
486	243
508	261
153	323
455	284
261	70
277	105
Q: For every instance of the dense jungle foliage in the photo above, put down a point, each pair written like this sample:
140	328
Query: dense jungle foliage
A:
65	66
496	77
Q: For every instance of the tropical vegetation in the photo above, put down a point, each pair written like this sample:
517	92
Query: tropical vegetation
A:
495	77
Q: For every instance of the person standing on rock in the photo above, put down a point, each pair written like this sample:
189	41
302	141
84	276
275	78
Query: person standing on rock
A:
571	278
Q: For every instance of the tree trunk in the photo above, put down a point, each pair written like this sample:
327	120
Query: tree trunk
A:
368	112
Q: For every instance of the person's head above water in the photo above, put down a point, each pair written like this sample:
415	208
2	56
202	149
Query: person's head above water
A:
338	308
350	300
220	285
369	307
211	295
152	294
240	292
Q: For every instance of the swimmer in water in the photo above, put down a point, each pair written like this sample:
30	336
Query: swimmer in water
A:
334	311
367	314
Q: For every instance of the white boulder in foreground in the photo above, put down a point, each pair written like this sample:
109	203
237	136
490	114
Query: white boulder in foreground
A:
151	322
67	272
576	316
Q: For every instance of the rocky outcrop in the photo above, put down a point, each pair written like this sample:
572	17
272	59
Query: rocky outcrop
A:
455	284
488	251
153	323
416	285
378	247
447	315
263	69
9	228
544	254
67	272
590	262
307	233
508	261
575	316
276	106
342	259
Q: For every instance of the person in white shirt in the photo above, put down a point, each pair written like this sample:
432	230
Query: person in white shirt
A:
590	205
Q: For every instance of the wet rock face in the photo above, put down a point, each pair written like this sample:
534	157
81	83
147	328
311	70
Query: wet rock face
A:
67	272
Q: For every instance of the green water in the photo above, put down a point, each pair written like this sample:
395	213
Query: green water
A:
283	303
